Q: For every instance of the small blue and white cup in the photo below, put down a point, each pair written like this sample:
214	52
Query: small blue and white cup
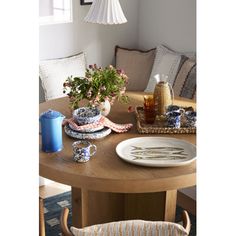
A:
82	151
191	118
173	119
174	108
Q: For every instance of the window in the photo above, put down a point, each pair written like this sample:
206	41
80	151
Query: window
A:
55	11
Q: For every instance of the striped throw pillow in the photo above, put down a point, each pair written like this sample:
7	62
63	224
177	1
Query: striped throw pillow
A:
185	82
132	227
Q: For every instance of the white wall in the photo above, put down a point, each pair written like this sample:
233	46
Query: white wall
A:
97	41
45	7
170	22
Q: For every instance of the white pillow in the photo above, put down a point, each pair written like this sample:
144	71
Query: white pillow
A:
131	227
166	63
53	73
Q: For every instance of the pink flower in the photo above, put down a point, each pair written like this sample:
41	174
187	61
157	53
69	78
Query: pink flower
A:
120	71
130	109
89	94
96	100
113	100
89	79
103	88
122	91
124	77
92	103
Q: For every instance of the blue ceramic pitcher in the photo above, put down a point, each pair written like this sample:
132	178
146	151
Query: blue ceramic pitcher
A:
51	129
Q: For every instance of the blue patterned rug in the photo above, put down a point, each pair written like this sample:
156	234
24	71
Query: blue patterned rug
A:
53	206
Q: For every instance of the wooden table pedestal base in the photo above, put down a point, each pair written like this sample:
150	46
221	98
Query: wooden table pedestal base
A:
90	207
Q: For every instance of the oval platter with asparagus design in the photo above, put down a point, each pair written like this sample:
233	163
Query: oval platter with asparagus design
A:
156	151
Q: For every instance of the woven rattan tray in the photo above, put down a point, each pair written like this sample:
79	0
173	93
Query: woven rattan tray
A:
158	127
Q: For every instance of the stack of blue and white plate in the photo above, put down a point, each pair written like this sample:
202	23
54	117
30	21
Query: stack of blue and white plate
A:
84	116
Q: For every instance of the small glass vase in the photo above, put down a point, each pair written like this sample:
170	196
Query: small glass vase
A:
105	108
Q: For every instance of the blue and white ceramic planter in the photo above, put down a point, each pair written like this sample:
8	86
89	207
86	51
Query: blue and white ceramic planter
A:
86	115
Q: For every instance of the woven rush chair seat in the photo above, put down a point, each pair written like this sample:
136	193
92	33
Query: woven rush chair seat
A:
128	227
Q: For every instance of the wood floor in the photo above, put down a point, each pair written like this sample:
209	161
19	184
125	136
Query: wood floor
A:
54	188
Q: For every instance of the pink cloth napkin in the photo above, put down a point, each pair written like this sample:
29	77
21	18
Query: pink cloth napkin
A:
119	128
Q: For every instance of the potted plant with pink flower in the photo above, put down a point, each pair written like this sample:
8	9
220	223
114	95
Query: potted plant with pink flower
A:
99	86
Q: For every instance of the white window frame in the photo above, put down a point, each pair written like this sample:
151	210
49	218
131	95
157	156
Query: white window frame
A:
49	20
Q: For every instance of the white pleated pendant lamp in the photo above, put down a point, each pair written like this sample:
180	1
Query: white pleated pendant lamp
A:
107	12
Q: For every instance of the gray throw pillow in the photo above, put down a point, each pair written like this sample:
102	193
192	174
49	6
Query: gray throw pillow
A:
185	81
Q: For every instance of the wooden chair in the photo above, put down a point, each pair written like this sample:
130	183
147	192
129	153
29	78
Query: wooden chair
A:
66	232
41	218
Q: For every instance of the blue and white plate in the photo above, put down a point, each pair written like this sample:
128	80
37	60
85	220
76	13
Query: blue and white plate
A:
79	135
87	130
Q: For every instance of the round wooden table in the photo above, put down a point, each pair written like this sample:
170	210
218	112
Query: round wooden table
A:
106	188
